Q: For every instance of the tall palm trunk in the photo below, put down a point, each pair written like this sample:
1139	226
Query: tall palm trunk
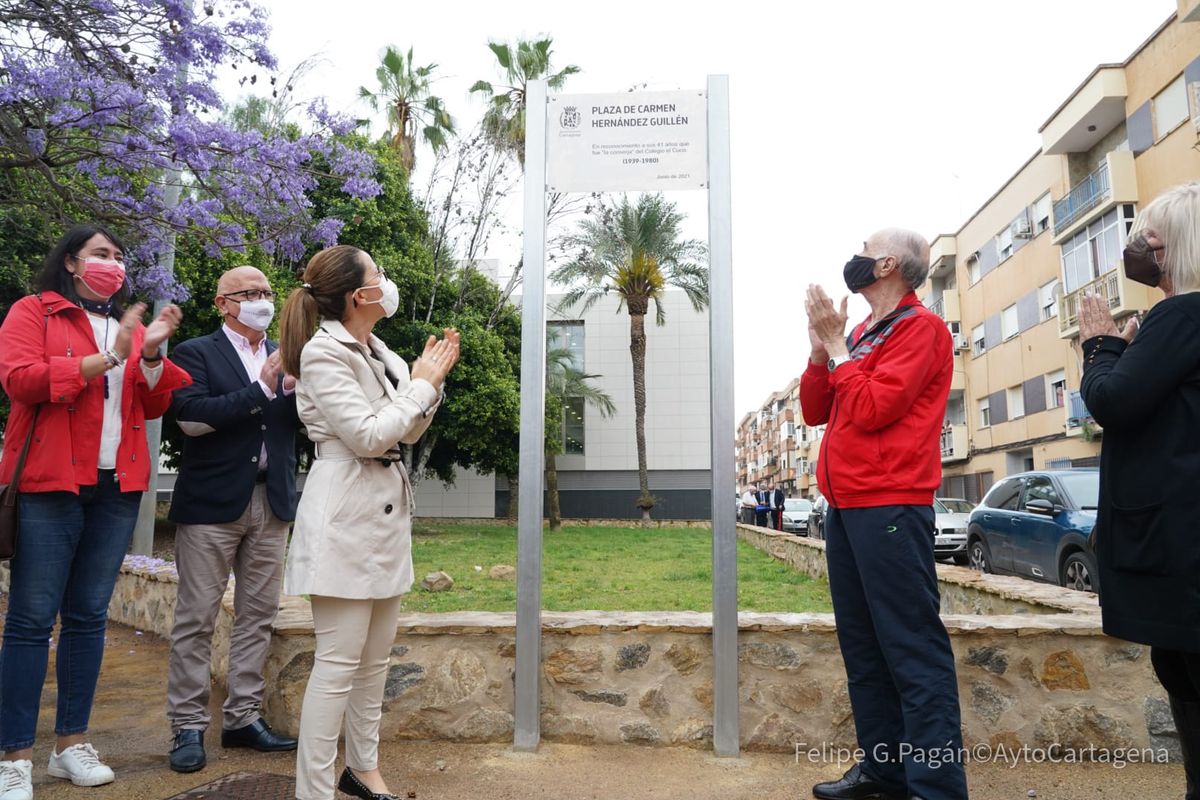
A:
552	490
637	350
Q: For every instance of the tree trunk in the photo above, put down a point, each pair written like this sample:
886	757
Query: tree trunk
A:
637	349
514	495
552	491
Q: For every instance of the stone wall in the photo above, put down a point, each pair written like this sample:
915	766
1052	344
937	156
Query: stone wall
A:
1042	674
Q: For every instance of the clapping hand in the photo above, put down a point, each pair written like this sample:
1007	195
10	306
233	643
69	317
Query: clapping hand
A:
439	358
1095	319
161	329
826	324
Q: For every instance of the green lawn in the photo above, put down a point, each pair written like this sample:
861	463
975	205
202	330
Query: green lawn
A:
606	569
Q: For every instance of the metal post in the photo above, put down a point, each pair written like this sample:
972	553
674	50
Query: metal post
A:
527	722
720	243
143	530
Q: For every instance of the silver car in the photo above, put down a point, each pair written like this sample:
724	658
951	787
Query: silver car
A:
795	515
951	529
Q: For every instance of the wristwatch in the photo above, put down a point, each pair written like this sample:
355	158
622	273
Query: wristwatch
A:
836	362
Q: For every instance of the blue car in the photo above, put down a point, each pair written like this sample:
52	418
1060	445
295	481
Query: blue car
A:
1036	525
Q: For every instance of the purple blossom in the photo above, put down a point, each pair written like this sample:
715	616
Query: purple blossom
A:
109	105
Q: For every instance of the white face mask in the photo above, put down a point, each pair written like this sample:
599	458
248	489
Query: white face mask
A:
390	301
256	314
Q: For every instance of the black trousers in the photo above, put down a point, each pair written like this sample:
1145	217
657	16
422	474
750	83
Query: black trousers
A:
899	665
1178	672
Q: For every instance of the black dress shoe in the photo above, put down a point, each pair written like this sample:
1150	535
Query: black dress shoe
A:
257	736
351	785
854	785
187	751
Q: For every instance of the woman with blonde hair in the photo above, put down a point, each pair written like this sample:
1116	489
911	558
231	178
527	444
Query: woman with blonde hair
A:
1145	392
351	548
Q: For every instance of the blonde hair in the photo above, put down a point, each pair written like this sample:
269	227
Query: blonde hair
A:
1174	218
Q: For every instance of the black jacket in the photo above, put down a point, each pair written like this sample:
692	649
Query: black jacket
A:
1146	395
218	470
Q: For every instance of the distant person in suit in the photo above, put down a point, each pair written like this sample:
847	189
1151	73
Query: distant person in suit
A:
762	507
777	504
233	502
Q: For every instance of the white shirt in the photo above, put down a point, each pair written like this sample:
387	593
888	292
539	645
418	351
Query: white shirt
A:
253	361
105	330
748	498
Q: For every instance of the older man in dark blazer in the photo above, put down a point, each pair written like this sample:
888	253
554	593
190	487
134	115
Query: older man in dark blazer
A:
233	502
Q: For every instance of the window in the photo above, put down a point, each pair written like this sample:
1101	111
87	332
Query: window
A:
973	274
1096	249
1004	494
1008	322
1041	213
572	427
1170	108
1056	389
978	341
568	335
802	468
1046	300
1004	245
985	413
1039	487
1016	401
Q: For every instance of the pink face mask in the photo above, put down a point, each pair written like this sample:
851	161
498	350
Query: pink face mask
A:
104	278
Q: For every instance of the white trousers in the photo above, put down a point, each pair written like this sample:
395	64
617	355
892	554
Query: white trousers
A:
354	645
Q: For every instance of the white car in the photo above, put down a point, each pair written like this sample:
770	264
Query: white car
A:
795	515
951	528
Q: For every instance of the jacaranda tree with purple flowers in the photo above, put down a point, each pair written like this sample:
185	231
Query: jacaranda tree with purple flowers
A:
104	105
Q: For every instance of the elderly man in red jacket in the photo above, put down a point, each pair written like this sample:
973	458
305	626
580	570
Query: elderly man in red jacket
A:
881	393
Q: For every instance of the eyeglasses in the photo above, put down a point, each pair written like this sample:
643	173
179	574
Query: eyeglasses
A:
250	294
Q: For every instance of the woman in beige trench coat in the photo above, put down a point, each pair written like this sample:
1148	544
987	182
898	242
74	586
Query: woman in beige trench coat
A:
351	547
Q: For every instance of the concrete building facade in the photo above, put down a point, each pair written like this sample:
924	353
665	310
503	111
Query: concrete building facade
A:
1008	283
597	471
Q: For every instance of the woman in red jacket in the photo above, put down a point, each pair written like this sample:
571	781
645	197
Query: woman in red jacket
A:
85	373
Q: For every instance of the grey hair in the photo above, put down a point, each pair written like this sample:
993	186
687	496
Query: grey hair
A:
1173	217
911	251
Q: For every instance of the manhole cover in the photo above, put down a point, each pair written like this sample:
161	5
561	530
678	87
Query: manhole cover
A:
244	786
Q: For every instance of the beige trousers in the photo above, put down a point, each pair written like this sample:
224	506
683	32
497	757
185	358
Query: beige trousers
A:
354	645
252	547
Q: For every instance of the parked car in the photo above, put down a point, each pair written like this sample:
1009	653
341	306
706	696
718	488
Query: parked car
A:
957	504
1036	525
795	515
816	518
950	530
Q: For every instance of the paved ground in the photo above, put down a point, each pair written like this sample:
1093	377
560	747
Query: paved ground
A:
131	733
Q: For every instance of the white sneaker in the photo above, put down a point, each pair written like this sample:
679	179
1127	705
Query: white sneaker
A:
16	780
81	765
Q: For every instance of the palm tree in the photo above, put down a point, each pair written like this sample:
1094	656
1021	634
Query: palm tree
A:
405	93
504	121
635	252
565	381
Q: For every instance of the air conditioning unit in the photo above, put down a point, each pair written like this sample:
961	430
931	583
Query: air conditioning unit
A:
960	341
1022	228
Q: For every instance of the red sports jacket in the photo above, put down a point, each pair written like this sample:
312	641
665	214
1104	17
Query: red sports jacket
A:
42	340
883	411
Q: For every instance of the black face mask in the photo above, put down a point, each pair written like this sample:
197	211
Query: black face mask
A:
859	273
1140	264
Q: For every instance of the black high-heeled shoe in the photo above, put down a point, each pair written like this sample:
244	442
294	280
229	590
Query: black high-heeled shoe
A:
351	785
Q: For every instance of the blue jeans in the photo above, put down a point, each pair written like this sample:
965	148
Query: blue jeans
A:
69	552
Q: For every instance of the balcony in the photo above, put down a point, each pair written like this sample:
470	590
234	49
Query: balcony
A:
1079	419
954	443
1083	197
1092	111
1112	183
946	306
1123	295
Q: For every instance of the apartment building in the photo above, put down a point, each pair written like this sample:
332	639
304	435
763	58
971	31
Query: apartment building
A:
775	447
1008	282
